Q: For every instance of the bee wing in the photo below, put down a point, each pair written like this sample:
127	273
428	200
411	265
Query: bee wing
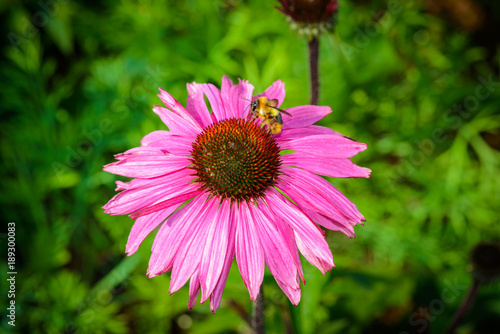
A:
284	112
273	103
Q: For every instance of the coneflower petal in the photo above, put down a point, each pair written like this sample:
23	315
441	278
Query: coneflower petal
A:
214	98
175	123
172	104
325	165
196	104
190	251
214	253
172	233
331	146
304	116
249	252
311	130
143	226
310	241
275	91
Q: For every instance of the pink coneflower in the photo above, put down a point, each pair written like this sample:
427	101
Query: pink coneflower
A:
230	168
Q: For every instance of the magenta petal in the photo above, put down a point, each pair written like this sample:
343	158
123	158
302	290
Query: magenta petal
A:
214	253
304	116
310	241
148	166
194	289
176	124
293	294
216	295
177	145
177	108
172	234
287	235
249	254
138	151
275	91
137	198
307	196
143	226
236	98
188	193
332	146
278	257
309	251
167	141
191	250
328	222
214	97
196	104
327	190
311	130
325	166
158	135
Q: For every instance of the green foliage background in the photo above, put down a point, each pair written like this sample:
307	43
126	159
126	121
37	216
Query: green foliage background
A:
79	87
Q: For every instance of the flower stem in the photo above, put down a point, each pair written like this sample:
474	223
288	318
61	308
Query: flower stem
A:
258	313
313	66
464	308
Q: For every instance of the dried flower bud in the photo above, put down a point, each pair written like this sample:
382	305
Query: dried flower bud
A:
310	16
485	260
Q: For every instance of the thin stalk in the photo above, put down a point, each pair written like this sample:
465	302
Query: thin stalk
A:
258	313
313	67
464	308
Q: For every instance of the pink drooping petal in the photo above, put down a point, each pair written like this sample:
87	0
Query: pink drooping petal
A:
160	205
305	194
287	235
214	97
138	182
236	98
176	124
194	289
159	135
278	257
304	116
309	251
310	198
293	294
214	253
328	222
139	151
325	166
162	188
332	146
275	91
327	190
168	142
143	226
216	295
311	130
191	250
172	234
148	166
249	253
196	104
177	108
310	241
120	185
